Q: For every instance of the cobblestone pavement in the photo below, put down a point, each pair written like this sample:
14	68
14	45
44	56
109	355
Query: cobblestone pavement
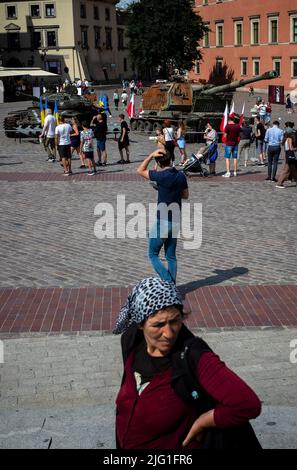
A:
52	267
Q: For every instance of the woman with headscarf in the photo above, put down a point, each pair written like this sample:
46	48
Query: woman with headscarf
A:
151	410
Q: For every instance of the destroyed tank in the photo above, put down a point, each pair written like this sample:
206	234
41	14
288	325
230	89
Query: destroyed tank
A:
27	122
196	104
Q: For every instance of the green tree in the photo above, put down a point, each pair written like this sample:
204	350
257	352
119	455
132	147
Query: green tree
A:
165	34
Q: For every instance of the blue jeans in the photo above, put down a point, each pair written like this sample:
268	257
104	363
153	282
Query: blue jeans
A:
164	235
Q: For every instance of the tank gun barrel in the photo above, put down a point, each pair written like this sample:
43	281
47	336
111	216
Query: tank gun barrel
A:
239	83
26	95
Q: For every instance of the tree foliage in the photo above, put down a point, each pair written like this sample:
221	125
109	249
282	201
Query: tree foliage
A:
164	33
221	75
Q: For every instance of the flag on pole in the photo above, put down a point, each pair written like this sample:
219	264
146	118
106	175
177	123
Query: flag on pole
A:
231	115
56	113
42	117
45	104
131	107
224	121
242	115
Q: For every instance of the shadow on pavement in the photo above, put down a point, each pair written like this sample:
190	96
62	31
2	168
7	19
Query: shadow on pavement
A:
12	163
220	275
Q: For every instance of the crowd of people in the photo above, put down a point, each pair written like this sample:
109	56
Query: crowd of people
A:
67	138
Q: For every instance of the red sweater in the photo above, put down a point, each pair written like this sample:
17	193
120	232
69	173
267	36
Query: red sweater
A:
159	419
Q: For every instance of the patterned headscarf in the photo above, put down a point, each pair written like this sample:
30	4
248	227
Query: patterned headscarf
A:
147	297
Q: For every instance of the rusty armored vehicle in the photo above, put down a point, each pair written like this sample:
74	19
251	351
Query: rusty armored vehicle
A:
27	122
197	104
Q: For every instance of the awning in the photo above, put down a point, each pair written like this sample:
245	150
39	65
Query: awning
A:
18	72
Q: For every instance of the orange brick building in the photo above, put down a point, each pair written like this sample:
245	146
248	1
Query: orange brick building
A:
251	37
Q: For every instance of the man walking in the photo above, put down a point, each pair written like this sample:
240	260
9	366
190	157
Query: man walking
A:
172	187
48	134
63	143
123	141
273	137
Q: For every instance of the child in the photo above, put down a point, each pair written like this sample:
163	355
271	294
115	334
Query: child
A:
86	146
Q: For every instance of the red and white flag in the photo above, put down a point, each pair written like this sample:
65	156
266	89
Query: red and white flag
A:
131	107
242	115
231	115
224	121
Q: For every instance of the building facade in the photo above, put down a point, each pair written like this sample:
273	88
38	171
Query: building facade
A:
74	38
250	38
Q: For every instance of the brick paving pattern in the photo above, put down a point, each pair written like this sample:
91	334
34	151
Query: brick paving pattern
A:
55	310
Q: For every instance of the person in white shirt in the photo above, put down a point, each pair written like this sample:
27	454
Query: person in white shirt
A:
63	142
124	97
48	135
169	135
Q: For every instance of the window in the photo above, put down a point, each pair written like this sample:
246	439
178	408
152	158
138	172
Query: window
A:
107	14
35	11
125	65
219	35
51	38
11	12
243	66
53	66
277	66
121	39
294	29
97	37
197	67
294	68
96	13
108	35
255	30
256	67
206	39
238	34
273	30
84	37
13	40
205	2
36	39
50	10
83	10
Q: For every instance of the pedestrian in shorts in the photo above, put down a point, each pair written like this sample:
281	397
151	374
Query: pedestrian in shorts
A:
87	147
63	143
48	135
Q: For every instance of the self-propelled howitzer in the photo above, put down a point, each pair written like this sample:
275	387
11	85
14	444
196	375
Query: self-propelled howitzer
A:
196	104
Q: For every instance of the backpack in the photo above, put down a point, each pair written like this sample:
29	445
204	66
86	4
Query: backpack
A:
186	385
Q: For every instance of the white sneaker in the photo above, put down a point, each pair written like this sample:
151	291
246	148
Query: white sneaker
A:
234	173
227	174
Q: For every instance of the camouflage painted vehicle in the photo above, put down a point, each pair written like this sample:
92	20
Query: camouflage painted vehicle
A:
70	104
197	104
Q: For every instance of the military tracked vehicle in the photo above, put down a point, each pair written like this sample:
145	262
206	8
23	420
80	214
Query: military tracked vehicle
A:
70	104
197	104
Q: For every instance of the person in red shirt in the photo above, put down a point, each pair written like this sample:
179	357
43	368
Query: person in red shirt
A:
232	131
150	414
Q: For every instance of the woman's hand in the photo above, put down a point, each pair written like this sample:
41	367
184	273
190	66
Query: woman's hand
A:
206	420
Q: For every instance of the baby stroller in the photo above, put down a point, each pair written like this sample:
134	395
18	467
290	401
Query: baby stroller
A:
196	163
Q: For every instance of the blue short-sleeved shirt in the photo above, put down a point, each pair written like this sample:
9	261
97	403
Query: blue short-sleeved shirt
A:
171	184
